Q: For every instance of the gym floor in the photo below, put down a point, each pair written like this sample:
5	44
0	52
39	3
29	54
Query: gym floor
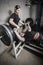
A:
25	57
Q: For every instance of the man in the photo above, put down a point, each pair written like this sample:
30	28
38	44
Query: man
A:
14	20
31	35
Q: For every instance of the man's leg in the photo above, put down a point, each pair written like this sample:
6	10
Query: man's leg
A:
36	36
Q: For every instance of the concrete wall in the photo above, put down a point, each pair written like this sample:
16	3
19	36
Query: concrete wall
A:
6	5
33	12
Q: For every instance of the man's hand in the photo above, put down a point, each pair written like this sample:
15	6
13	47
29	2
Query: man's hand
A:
21	22
18	27
22	34
18	36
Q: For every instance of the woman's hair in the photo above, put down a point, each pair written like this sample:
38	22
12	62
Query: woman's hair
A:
17	7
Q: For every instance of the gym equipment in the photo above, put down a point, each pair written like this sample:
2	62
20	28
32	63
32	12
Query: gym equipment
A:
35	48
6	33
7	36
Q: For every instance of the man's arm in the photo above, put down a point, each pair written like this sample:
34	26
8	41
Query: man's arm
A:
12	23
21	22
29	28
19	37
24	30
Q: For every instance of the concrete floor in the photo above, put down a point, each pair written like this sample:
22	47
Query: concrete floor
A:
2	47
25	58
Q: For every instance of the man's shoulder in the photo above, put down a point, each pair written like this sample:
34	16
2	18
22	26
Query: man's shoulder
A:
12	15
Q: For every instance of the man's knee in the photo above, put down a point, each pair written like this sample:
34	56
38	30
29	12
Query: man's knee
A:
36	36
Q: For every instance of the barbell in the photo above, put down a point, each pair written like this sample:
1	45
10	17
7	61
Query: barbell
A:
7	34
